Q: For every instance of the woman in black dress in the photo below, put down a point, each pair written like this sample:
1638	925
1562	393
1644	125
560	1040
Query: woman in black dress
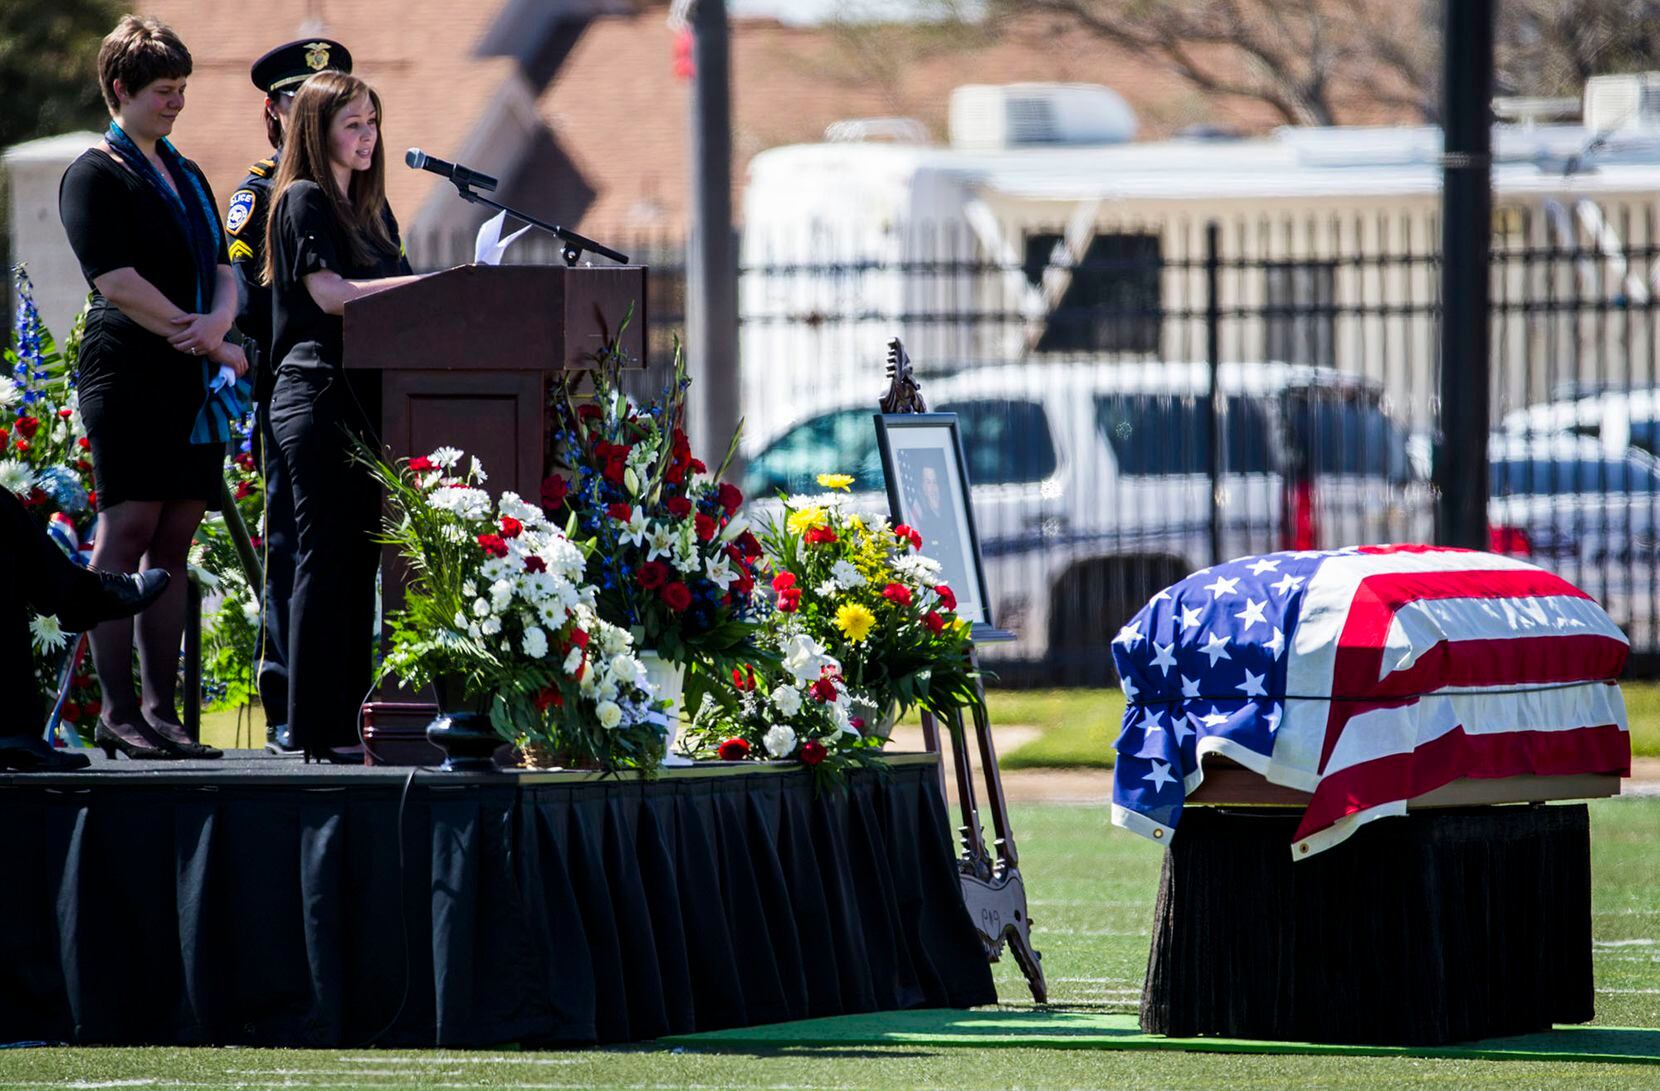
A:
158	382
330	239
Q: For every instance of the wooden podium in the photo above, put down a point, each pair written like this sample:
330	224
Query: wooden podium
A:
467	358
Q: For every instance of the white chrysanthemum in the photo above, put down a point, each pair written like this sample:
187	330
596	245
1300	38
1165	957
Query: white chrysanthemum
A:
613	639
478	473
10	393
469	589
466	502
453	533
787	699
535	643
847	574
779	741
481	607
917	567
573	660
445	457
606	689
490	626
48	634
501	593
460	619
16	476
512	506
609	714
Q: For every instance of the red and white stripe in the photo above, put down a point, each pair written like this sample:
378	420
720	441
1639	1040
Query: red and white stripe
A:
1447	664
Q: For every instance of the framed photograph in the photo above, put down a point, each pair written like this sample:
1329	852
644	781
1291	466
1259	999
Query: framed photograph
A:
922	459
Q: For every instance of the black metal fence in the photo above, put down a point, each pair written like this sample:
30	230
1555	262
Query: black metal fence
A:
1082	359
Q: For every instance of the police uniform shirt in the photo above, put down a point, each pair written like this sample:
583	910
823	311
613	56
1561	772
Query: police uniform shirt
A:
245	228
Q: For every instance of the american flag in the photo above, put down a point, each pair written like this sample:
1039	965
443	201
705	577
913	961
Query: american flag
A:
1365	677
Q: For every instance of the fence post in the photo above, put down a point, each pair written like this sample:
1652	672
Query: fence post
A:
1213	357
1460	469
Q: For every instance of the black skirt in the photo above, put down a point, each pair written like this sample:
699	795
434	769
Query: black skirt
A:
139	398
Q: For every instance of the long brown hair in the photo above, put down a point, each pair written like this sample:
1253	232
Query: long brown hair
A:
305	158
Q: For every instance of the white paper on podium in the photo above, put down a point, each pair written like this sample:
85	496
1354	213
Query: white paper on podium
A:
490	246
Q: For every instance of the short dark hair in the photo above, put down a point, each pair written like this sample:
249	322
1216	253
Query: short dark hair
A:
138	52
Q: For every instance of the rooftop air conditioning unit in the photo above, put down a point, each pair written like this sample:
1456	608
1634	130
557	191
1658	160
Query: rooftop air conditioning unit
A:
1629	101
992	117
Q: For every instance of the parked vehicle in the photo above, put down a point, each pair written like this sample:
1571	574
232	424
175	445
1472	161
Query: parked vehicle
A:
1091	483
1617	419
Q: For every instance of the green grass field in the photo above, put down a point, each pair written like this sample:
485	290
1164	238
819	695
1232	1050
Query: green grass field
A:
1092	901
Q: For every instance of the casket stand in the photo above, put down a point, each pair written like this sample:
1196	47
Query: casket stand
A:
1465	919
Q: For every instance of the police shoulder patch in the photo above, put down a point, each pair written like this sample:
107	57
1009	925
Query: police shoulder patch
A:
242	206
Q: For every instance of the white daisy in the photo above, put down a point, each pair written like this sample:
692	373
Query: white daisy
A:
16	476
48	634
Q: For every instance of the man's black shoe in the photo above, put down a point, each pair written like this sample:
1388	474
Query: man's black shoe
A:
280	740
113	595
26	754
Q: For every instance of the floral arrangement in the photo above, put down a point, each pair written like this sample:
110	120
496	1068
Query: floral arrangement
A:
800	712
672	558
498	601
860	587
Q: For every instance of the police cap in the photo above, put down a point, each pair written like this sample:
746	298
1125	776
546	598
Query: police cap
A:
287	66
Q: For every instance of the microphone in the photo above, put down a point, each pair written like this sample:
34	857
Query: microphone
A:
461	176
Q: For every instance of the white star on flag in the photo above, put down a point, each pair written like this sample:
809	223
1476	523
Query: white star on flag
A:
1160	776
1252	613
1288	583
1214	718
1215	647
1129	634
1178	724
1190	686
1162	657
1276	645
1128	687
1264	565
1252	686
1222	585
1273	719
1150	722
1190	618
1160	597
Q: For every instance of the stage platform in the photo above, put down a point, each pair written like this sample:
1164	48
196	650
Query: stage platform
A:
258	900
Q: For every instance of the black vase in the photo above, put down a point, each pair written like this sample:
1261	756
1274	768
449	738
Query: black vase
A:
468	743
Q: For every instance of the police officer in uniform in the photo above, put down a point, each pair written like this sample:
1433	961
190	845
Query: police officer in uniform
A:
279	74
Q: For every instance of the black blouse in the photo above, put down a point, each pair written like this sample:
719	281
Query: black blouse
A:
306	237
115	221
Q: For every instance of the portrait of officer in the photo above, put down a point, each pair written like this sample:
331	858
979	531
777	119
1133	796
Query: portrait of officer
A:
279	74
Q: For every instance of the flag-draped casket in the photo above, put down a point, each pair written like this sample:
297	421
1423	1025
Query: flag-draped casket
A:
1365	677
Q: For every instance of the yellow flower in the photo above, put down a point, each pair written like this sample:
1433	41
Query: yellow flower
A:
855	621
855	523
836	481
800	522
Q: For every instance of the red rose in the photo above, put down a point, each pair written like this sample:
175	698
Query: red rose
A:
857	723
705	527
589	411
730	497
92	497
677	596
789	600
933	620
535	564
652	575
614	468
511	527
243	489
620	512
83	443
745	583
698	467
819	536
246	461
743	678
492	544
812	752
676	473
22	445
6	437
825	690
553	492
898	593
733	750
549	697
255	540
748	545
81	464
420	464
579	638
947	598
28	426
783	581
71	711
66	413
679	507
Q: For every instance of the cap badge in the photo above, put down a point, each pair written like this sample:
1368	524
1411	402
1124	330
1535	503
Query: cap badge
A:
317	56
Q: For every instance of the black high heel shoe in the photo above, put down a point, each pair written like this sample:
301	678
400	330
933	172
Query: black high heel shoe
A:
105	596
332	756
188	749
109	742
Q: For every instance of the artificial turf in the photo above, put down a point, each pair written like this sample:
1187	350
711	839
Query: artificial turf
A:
1092	900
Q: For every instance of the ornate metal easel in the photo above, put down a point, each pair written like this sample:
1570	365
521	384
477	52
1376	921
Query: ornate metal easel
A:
993	888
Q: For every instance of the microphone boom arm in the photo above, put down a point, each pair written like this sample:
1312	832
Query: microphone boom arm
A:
575	244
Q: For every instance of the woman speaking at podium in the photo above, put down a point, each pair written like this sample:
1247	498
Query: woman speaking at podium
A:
331	238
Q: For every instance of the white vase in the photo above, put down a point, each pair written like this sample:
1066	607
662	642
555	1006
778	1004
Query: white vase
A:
668	679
